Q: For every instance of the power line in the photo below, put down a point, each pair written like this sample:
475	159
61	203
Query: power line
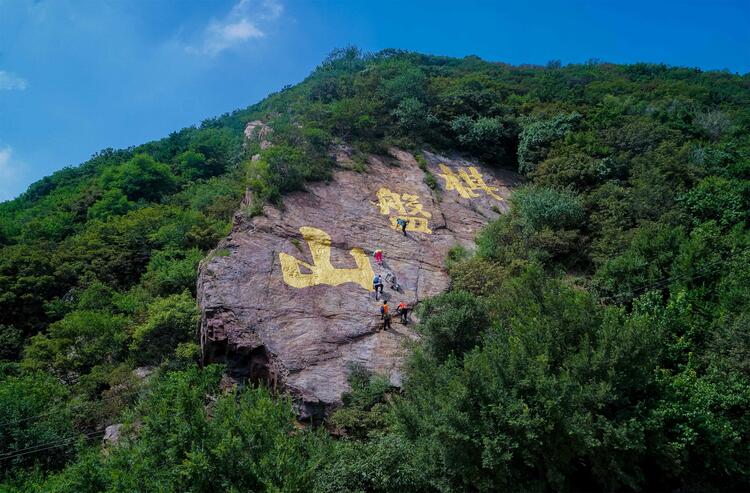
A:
666	280
56	440
50	445
659	284
75	406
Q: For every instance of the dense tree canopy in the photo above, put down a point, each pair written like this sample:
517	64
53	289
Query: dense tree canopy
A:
597	339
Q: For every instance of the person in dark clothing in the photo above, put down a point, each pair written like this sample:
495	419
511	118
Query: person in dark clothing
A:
377	285
403	310
385	314
402	222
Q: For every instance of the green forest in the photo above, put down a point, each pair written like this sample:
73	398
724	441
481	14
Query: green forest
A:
596	339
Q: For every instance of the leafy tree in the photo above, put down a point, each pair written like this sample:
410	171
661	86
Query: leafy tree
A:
412	116
717	198
536	405
172	272
11	341
169	321
536	136
713	123
35	423
141	178
77	343
192	165
113	203
185	440
452	324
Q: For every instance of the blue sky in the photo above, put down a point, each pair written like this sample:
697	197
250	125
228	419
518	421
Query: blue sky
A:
77	76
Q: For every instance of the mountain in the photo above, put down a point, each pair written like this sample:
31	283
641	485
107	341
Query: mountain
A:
195	313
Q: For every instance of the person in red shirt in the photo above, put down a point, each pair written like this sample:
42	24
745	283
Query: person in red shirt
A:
403	310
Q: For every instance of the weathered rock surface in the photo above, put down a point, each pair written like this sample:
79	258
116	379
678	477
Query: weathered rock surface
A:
257	130
112	434
276	307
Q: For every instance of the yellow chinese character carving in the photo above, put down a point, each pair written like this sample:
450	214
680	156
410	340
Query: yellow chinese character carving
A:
467	182
321	270
415	208
414	223
389	200
415	216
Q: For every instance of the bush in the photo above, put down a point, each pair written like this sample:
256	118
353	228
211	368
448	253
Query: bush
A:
184	437
11	341
172	272
365	409
169	321
384	464
141	178
543	225
540	208
77	343
536	136
484	136
34	414
452	324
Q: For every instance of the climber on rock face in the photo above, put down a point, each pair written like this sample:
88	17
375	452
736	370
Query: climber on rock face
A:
385	314
378	254
403	310
402	222
377	285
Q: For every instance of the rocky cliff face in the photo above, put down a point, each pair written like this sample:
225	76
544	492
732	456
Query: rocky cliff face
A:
287	297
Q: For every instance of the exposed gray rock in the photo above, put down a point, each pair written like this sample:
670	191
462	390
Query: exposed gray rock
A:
273	312
143	372
112	434
257	130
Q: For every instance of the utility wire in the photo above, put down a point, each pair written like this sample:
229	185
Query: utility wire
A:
49	445
74	406
666	280
56	440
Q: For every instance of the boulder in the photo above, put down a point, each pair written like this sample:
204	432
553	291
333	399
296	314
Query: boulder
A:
257	130
112	434
290	300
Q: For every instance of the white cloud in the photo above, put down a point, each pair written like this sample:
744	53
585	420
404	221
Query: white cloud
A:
5	168
10	174
11	82
245	21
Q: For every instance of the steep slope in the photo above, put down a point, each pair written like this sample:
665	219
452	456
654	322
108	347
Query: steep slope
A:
288	296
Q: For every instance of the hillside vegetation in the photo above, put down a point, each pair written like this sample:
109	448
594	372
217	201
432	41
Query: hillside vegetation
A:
598	339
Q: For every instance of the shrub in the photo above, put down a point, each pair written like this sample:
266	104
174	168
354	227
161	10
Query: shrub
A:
34	413
536	136
169	321
141	178
452	324
77	343
541	207
172	271
11	341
